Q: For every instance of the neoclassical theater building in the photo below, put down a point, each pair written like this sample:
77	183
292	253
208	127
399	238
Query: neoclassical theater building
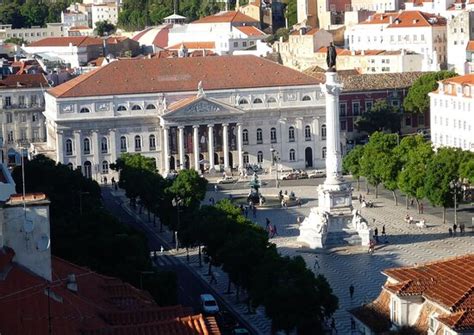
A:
214	113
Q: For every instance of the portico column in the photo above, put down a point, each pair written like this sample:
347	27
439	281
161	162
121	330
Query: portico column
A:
78	145
166	150
59	146
210	147
196	147
113	145
239	146
225	144
96	149
181	146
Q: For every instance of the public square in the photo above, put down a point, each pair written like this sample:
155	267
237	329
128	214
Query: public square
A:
352	265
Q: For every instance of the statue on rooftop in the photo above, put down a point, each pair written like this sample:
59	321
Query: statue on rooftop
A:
331	57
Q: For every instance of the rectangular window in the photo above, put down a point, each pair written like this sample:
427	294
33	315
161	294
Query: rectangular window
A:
9	117
244	44
342	109
34	117
236	44
408	120
10	136
394	311
355	108
368	105
21	100
343	125
8	101
33	100
23	117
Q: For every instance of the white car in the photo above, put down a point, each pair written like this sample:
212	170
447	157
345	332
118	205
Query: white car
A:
209	304
227	180
317	174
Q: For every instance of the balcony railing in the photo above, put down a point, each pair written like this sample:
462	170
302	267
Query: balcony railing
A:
22	106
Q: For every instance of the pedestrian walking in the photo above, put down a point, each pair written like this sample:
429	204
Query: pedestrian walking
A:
412	202
421	208
376	234
267	223
246	211
213	279
105	180
351	291
455	228
316	263
216	188
275	231
270	231
462	228
113	181
450	231
383	230
162	249
241	208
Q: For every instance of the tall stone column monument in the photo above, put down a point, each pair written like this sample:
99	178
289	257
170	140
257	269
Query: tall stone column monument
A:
330	221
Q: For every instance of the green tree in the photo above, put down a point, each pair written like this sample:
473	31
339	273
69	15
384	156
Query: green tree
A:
381	117
414	153
190	187
16	40
34	12
280	33
442	169
54	10
104	28
291	13
351	163
10	13
417	99
376	159
466	168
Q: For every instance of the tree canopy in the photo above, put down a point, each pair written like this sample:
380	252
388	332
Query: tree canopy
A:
381	117
104	28
417	99
27	13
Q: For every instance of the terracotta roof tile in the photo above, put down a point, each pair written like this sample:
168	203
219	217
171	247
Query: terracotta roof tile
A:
156	75
251	31
223	17
380	18
193	45
24	80
414	19
460	321
467	79
79	41
376	314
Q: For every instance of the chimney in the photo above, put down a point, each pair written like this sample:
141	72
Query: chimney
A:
390	19
71	283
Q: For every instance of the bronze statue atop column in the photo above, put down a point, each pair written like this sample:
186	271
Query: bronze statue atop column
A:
331	58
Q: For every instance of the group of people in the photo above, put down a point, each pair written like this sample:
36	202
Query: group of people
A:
462	230
364	203
250	208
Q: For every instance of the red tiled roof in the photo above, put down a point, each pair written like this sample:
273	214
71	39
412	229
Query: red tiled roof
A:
309	32
101	305
380	18
467	79
414	19
156	75
79	41
251	31
230	16
24	80
193	45
449	282
462	320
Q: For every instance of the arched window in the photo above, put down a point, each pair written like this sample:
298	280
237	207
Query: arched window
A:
136	108
152	142
86	146
257	101
323	154
104	147
246	157
68	147
105	167
292	155
123	144
323	131
273	135
271	100
84	110
306	98
259	157
259	136
138	143
245	136
150	106
243	101
307	133
121	108
291	134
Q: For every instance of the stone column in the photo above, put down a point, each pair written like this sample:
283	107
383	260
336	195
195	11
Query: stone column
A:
166	150
212	164
95	147
59	146
225	144
332	89
113	145
239	146
78	147
181	146
196	146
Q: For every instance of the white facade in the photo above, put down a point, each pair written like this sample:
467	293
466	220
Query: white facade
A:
92	132
74	18
460	31
452	113
22	121
374	5
106	12
414	32
32	34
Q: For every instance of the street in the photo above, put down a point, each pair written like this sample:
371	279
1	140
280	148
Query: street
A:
190	286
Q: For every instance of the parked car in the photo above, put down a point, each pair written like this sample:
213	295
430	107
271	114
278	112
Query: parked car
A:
227	180
209	304
302	175
317	174
290	176
239	330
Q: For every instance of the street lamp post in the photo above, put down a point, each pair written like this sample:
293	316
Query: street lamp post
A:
455	184
177	202
275	160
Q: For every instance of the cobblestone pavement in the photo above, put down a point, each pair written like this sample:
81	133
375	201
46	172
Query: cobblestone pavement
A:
407	245
343	266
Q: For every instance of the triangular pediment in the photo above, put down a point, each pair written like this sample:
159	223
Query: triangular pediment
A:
200	108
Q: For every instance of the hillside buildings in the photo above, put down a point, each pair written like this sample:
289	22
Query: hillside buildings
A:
228	111
32	34
460	32
452	120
